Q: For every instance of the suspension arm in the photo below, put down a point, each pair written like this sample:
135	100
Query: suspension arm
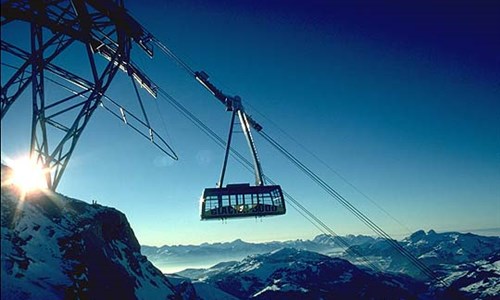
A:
231	103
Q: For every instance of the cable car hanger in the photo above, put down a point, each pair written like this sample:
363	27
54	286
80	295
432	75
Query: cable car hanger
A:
238	110
233	103
239	200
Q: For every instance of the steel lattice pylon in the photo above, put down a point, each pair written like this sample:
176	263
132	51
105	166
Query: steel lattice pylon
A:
106	30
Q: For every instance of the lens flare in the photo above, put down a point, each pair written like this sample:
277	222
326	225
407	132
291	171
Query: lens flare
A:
28	175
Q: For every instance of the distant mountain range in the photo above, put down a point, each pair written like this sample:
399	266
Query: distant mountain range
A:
433	249
467	262
174	257
436	250
298	274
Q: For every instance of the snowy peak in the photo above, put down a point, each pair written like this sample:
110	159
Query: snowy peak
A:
435	250
334	241
479	280
54	247
207	254
451	247
417	235
291	273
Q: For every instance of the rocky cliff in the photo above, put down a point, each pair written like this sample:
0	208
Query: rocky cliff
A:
55	247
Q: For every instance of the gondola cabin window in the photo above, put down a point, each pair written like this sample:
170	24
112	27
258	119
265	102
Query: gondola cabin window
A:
242	200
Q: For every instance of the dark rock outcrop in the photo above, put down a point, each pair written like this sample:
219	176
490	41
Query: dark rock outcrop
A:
55	247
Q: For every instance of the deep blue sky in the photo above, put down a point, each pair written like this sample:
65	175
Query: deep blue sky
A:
400	99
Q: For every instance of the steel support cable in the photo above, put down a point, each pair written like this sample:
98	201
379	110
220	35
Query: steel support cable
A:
332	192
324	228
172	55
355	188
353	210
318	180
191	72
145	115
400	249
302	210
345	243
162	119
346	203
197	122
168	151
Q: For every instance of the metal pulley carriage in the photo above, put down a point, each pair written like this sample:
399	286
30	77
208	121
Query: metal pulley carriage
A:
239	200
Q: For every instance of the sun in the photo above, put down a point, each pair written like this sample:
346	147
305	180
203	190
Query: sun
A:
27	175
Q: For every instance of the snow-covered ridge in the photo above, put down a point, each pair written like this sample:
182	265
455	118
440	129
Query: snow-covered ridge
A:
468	263
289	273
436	250
207	254
55	247
480	279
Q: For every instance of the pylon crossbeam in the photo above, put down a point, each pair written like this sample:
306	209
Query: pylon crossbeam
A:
105	28
18	83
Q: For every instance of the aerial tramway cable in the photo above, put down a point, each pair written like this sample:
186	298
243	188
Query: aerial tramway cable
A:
361	216
297	205
333	193
145	115
172	55
160	143
321	161
312	218
307	214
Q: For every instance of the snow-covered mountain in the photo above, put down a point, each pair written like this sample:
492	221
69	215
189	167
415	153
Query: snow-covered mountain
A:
436	250
55	247
333	241
289	273
478	280
450	247
468	263
167	257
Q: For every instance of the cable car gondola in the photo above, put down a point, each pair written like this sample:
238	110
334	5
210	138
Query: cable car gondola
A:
239	200
242	200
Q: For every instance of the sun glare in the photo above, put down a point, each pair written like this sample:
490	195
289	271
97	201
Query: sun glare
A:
28	175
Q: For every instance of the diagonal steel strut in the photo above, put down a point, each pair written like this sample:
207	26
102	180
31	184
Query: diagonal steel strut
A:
103	27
